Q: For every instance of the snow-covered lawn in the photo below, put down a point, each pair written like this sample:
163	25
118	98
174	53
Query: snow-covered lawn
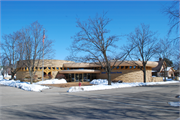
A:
102	84
52	81
31	87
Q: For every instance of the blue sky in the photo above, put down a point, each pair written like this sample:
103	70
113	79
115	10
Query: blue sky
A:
59	18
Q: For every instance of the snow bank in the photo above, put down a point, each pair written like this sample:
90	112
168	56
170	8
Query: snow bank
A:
102	84
52	81
31	87
6	75
174	104
170	79
99	82
23	85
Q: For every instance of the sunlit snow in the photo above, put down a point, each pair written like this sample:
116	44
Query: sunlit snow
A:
52	81
102	84
174	104
30	87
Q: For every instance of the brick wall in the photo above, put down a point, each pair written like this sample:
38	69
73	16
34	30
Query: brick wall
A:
47	63
128	76
23	74
157	79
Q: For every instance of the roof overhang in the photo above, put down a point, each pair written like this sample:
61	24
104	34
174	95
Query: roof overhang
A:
117	63
80	71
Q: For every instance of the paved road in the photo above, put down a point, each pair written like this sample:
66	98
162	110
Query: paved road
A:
136	103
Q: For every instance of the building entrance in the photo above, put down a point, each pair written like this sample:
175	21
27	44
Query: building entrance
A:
82	77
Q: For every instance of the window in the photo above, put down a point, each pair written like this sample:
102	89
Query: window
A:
49	68
126	67
122	67
57	68
134	67
53	68
72	78
130	67
117	67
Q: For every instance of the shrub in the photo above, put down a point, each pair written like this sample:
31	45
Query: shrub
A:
46	77
50	76
35	77
60	76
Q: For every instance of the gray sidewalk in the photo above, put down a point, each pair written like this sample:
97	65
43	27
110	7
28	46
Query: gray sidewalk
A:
56	90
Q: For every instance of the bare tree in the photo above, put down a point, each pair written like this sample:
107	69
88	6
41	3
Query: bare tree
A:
93	45
145	42
4	65
172	12
164	50
33	41
10	50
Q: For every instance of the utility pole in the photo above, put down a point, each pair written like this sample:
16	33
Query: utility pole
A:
43	56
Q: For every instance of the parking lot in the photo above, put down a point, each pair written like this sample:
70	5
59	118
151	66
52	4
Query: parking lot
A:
149	102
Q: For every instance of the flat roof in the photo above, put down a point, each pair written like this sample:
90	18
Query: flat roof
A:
125	63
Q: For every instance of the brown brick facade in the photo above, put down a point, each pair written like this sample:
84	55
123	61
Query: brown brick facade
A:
128	75
50	67
124	73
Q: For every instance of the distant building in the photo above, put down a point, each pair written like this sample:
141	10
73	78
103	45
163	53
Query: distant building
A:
159	69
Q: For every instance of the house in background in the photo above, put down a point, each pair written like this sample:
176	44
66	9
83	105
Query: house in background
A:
170	72
5	71
159	69
177	73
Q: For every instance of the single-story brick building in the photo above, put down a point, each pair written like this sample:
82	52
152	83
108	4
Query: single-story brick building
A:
75	72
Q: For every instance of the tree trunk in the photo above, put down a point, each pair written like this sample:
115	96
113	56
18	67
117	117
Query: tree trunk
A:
109	73
12	76
3	76
164	74
31	80
144	71
109	78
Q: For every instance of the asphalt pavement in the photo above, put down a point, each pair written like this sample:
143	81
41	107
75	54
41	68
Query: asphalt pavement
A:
134	103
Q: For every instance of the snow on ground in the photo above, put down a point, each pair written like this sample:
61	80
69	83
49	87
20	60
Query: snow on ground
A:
23	85
178	96
6	75
102	84
30	87
167	79
99	82
174	104
52	81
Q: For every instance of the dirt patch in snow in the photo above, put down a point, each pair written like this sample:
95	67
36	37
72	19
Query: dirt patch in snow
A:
69	84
